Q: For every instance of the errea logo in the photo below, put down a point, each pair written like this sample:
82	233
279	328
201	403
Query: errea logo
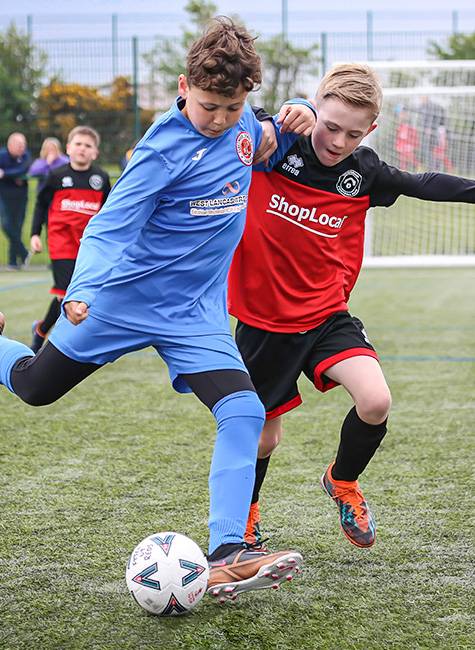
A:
293	164
349	183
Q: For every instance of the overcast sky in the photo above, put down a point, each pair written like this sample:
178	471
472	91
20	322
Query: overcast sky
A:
261	6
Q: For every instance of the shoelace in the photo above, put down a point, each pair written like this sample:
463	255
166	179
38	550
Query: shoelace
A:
358	505
255	546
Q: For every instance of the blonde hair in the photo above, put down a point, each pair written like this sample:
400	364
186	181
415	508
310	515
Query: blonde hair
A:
355	84
85	130
47	141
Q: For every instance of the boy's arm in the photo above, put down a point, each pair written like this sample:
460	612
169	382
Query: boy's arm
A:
106	189
43	201
296	117
430	186
118	223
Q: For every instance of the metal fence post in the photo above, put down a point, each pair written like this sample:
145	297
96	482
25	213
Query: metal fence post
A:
455	21
324	51
114	45
369	36
29	26
135	84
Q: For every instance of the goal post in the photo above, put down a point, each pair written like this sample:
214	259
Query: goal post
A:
427	123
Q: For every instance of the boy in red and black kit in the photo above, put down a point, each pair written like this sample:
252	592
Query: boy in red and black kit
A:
293	273
71	196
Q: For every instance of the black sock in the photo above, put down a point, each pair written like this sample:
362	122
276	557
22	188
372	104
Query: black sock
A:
358	444
51	317
223	550
261	471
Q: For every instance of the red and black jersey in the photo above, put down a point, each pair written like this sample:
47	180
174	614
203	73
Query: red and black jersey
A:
302	247
67	202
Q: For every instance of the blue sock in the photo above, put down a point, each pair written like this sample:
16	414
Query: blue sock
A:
240	417
10	352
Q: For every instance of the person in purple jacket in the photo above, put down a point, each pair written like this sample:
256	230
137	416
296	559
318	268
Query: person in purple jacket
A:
51	156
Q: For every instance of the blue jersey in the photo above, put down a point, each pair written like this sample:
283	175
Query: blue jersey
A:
156	257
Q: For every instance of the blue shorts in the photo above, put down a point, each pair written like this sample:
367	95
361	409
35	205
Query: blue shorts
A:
95	341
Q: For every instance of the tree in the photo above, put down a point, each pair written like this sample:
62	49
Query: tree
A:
166	60
461	46
22	67
62	106
282	62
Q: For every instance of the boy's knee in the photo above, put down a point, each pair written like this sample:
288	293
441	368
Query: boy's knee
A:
374	408
270	438
34	396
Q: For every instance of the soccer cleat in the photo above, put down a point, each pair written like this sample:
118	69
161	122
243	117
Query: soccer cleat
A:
2	323
248	569
37	339
356	519
253	534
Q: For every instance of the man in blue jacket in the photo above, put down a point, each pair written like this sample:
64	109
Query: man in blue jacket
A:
15	160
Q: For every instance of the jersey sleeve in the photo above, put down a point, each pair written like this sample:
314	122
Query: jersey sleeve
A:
43	201
390	183
284	140
117	225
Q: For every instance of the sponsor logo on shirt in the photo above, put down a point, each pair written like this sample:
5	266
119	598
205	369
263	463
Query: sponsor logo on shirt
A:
96	182
67	181
231	188
293	164
349	183
89	208
244	147
199	154
226	205
299	216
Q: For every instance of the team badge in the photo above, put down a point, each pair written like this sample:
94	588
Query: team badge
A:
244	148
96	182
349	183
67	181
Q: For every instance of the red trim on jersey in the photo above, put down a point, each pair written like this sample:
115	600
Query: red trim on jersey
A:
57	292
284	408
299	257
336	358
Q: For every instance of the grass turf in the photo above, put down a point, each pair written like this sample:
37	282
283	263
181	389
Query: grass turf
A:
122	456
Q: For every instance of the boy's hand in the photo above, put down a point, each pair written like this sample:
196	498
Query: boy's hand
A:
296	118
76	312
35	244
268	143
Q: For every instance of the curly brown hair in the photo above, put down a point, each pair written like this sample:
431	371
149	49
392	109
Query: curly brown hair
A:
223	58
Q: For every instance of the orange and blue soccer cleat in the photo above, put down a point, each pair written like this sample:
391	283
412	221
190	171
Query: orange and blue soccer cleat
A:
356	519
245	568
253	534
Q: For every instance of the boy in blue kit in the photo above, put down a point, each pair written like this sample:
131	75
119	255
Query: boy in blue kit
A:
152	270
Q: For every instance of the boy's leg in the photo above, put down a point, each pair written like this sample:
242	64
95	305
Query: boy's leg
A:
41	328
239	414
44	378
362	432
270	437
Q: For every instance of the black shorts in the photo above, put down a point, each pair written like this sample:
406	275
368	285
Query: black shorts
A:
62	274
275	361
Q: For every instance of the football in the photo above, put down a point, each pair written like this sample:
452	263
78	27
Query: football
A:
167	574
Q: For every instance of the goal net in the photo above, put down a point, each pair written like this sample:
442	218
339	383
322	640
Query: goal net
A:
427	124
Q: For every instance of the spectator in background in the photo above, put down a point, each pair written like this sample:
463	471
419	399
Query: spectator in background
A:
15	160
407	143
432	116
51	156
